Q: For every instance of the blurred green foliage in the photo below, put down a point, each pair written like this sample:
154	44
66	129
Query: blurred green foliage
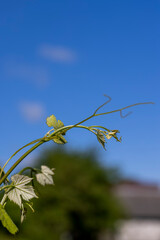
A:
80	205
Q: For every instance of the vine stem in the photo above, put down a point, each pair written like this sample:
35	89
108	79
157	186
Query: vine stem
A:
48	138
3	199
19	160
95	114
43	140
119	110
28	144
27	168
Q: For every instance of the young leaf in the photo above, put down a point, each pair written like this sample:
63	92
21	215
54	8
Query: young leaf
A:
19	190
47	170
23	214
7	221
59	139
101	138
60	124
108	136
114	134
45	177
52	121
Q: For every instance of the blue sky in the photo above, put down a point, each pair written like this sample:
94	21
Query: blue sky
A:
60	57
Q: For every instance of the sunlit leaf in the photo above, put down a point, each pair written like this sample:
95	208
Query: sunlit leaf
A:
108	136
52	121
46	170
18	190
45	177
7	221
113	134
60	124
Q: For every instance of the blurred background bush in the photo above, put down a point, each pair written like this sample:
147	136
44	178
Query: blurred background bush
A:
80	205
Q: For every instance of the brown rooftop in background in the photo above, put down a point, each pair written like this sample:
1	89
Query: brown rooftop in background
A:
140	200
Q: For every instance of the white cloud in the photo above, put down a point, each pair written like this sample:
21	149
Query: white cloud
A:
32	111
57	53
35	74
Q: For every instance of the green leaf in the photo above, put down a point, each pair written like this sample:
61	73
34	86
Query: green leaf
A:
59	139
101	138
7	221
60	124
52	121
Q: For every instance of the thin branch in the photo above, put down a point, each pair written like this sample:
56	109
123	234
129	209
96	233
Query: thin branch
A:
95	114
47	138
121	109
126	115
28	144
109	99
